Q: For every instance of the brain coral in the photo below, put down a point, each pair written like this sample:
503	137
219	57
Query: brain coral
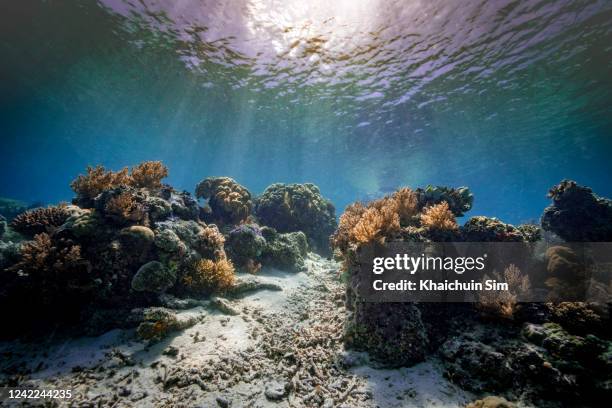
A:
298	207
230	202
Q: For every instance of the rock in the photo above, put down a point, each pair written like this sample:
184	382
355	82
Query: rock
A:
171	351
224	306
485	229
249	283
275	390
158	322
223	402
244	243
459	199
535	333
153	277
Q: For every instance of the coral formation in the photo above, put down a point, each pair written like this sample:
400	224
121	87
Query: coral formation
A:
438	217
491	402
298	207
229	201
504	304
40	220
98	179
284	251
245	245
153	277
207	276
577	214
485	229
459	199
148	175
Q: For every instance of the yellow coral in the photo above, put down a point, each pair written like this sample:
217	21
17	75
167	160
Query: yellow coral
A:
439	217
148	174
208	276
97	180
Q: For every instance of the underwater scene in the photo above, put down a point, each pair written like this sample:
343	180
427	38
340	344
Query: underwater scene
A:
211	203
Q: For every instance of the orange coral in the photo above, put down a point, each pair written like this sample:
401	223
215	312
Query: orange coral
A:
148	174
439	217
207	275
376	223
351	216
97	180
40	220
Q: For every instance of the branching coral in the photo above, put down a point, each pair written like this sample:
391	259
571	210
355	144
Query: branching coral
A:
148	174
439	217
459	200
376	223
407	202
123	208
210	242
98	179
40	220
230	202
207	275
352	214
503	303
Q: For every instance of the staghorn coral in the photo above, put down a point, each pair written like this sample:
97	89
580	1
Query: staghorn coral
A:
40	220
98	179
439	217
577	214
503	304
206	275
230	202
148	174
298	207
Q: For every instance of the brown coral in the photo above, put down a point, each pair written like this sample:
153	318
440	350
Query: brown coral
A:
491	402
98	179
209	276
40	220
407	202
351	216
376	224
230	202
148	174
503	304
439	217
210	242
123	208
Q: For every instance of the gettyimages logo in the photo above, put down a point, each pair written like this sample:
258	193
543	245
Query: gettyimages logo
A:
414	264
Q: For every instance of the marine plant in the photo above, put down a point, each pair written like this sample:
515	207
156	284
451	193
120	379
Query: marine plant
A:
206	275
439	218
95	181
229	201
40	220
148	174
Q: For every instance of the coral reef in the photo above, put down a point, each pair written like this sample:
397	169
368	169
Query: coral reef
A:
229	201
459	200
298	207
438	217
10	208
40	220
98	179
245	245
284	251
504	304
484	229
577	214
3	226
148	175
153	277
206	276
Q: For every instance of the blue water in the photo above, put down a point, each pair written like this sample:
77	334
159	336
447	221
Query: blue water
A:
358	97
